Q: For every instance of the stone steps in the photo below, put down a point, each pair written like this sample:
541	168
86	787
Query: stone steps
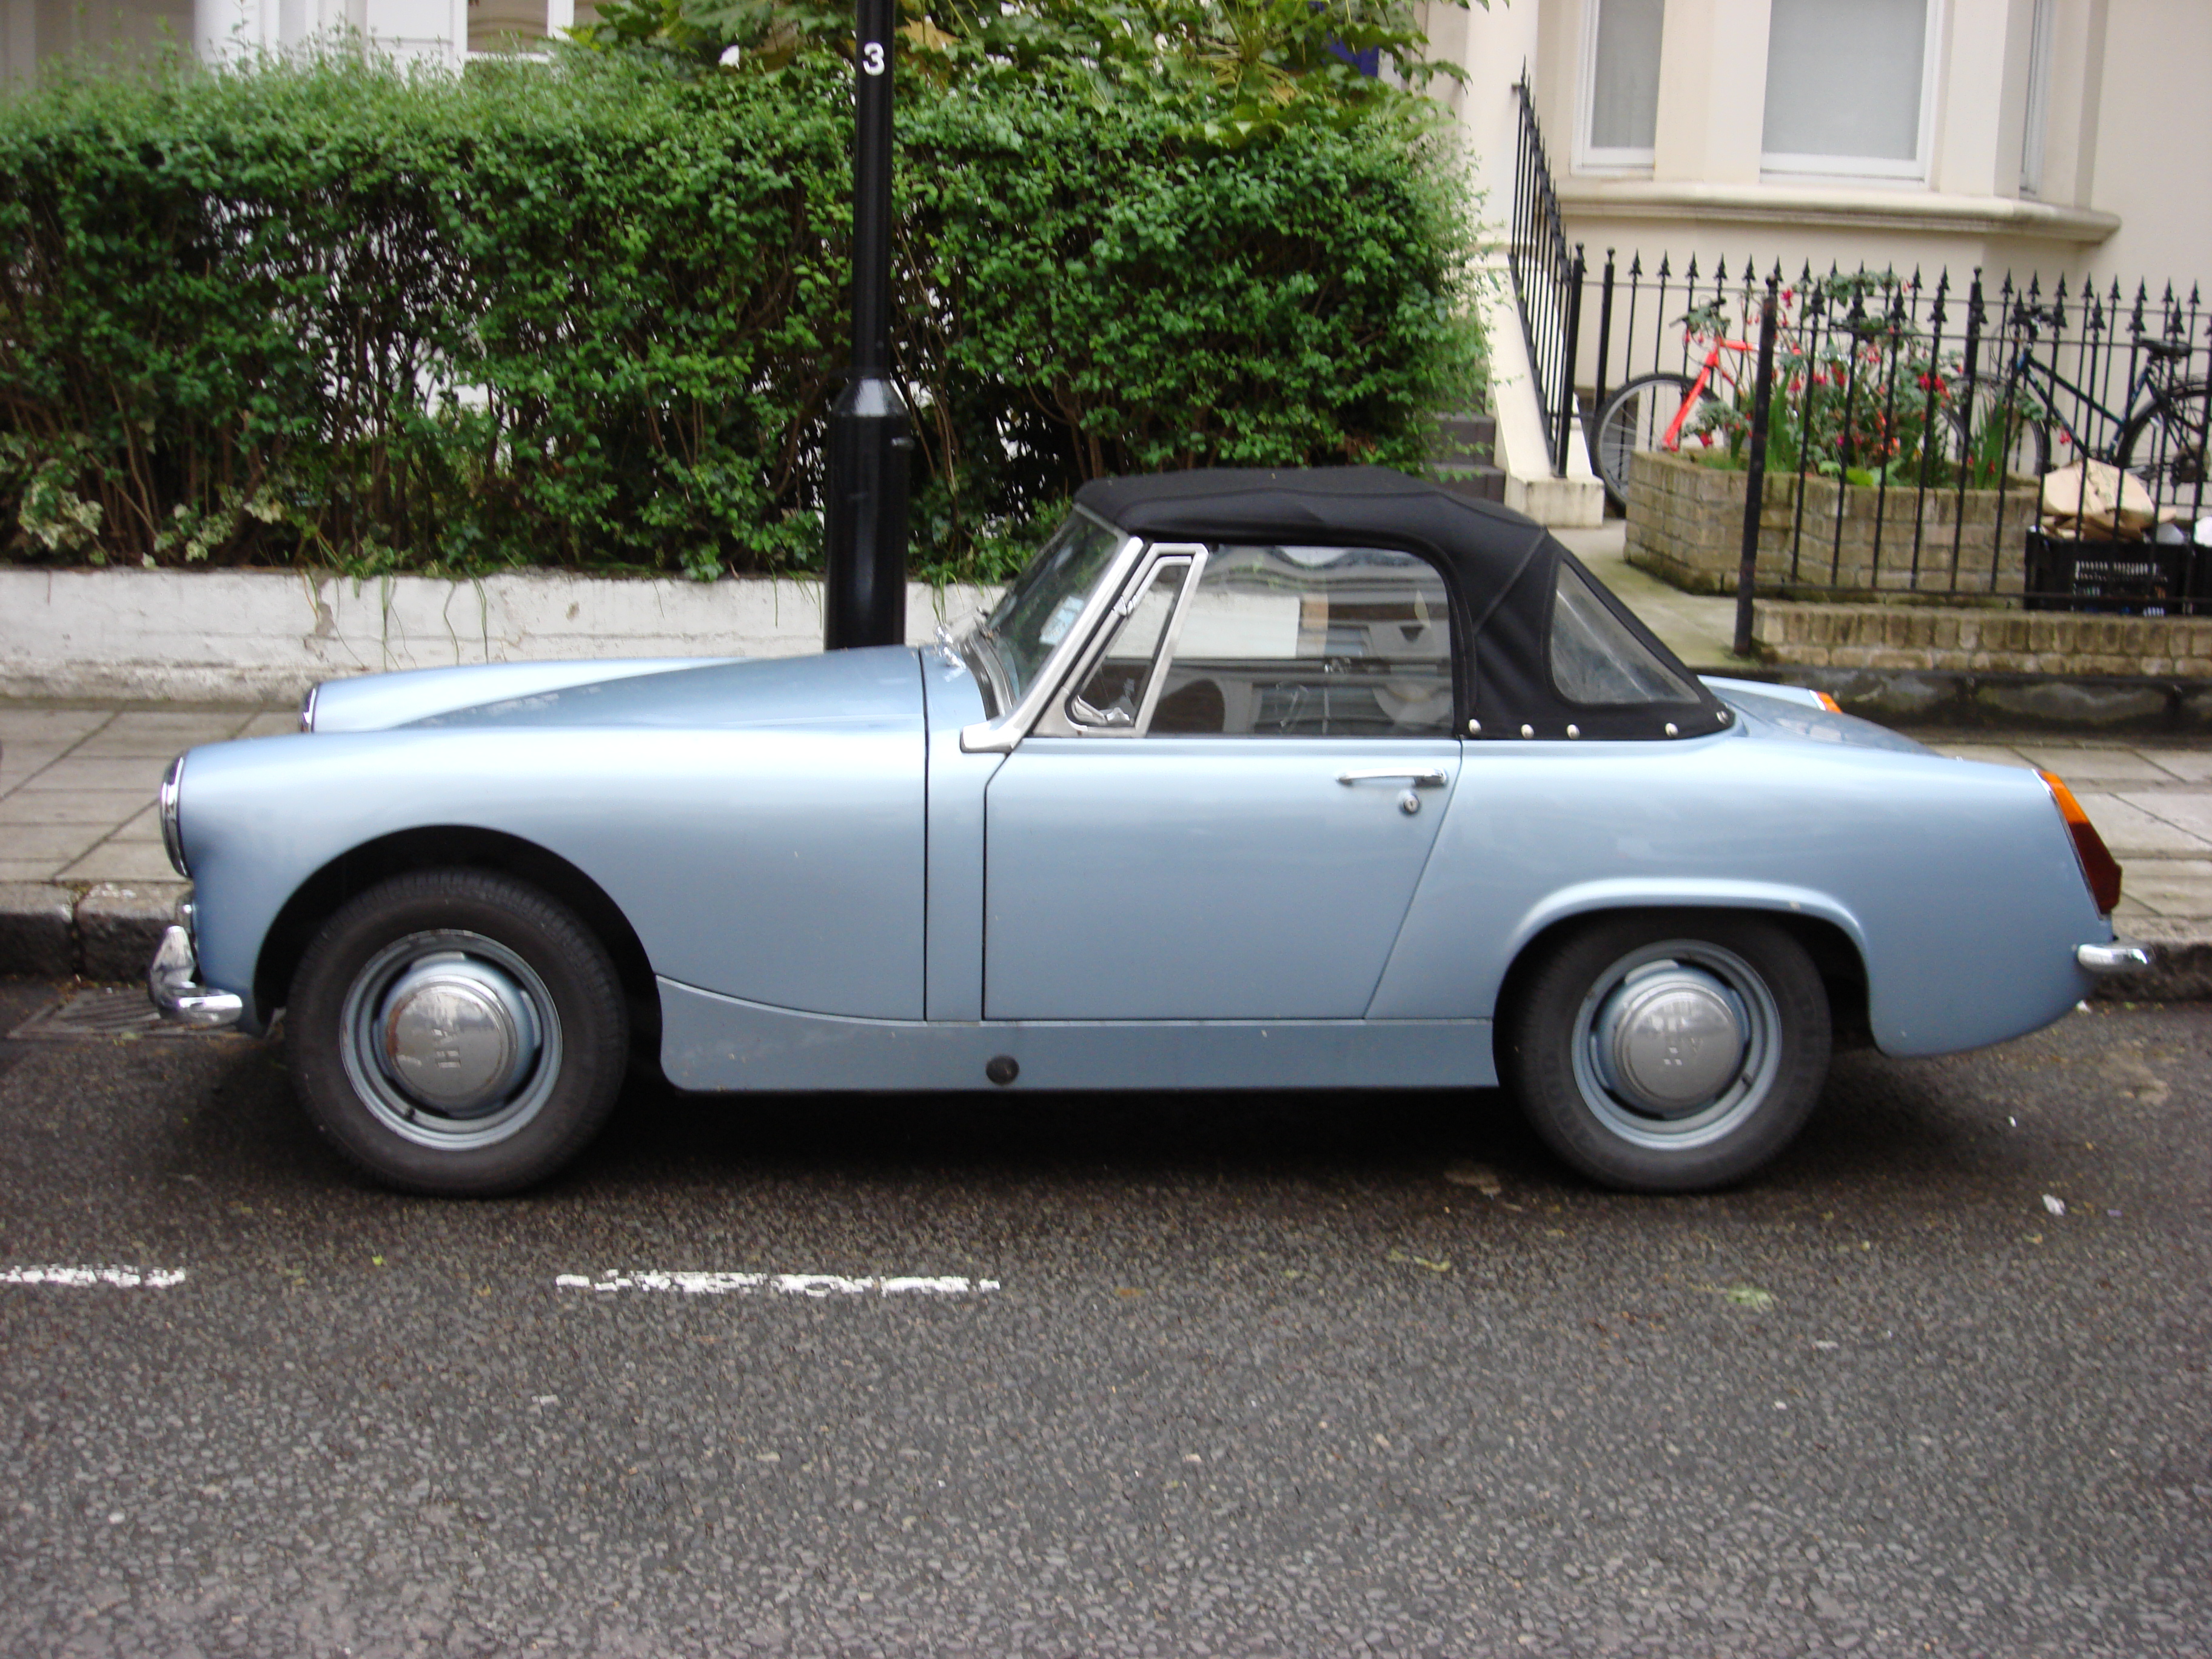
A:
1463	458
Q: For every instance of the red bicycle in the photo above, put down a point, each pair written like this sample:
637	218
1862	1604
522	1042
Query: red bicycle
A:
1656	410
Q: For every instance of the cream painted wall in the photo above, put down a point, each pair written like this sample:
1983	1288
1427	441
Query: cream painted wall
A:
2152	123
2124	188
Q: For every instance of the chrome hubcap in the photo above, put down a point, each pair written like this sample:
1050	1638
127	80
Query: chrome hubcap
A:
1669	1038
451	1040
1676	1044
458	1035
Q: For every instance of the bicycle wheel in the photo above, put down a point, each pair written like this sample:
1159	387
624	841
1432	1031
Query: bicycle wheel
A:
1980	427
2164	444
1634	420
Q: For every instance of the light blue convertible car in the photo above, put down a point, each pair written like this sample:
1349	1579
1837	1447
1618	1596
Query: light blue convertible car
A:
1253	781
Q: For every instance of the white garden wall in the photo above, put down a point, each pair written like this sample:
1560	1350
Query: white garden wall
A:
263	637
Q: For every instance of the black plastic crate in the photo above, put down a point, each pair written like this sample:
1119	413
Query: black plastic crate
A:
2127	579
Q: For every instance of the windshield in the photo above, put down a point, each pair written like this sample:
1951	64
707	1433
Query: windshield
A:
1039	609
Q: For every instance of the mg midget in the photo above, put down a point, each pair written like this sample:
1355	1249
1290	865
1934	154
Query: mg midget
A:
1252	780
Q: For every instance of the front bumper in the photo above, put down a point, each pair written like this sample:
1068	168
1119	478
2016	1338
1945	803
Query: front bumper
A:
176	997
2122	956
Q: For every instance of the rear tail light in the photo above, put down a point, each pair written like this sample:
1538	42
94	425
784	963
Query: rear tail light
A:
2099	868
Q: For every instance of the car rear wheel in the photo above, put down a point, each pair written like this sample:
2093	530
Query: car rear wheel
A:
457	1032
1667	1052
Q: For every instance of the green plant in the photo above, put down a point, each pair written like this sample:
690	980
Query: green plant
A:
1232	68
594	313
1860	395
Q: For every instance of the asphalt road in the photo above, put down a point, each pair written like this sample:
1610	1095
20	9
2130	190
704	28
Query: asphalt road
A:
1257	1377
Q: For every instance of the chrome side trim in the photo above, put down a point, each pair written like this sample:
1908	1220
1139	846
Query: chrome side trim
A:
2122	956
169	983
173	834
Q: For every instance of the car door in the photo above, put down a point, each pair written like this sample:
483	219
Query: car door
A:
1226	813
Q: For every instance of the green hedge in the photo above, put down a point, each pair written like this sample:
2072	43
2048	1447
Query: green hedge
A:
593	314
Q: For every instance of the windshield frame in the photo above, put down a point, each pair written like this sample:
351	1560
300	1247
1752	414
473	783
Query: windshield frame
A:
1016	707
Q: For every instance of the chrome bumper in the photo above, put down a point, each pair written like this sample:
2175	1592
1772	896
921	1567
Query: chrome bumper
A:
2122	956
169	983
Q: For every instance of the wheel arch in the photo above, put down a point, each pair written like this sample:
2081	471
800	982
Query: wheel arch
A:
1836	955
459	846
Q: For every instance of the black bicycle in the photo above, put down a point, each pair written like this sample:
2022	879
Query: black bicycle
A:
2162	423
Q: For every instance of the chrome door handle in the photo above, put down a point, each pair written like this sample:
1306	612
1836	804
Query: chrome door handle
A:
1426	777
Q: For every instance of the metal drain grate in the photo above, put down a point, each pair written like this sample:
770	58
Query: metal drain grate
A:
107	1011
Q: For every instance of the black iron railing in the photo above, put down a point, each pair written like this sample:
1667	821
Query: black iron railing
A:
1911	422
1547	282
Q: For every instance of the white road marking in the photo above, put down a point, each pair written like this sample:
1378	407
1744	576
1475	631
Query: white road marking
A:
151	1279
817	1285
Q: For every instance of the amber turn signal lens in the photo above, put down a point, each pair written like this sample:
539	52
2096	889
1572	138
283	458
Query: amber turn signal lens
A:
2099	868
1829	702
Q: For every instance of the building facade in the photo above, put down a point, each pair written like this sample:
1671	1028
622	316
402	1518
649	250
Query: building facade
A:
2051	136
2058	137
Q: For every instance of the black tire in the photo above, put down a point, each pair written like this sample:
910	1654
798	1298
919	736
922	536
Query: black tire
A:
457	1032
1973	406
1633	421
1630	1117
2165	443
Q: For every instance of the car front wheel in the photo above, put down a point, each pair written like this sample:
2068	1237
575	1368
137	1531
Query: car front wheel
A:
1665	1053
457	1032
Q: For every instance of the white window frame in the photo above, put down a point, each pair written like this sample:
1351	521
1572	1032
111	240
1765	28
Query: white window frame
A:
1589	157
1875	168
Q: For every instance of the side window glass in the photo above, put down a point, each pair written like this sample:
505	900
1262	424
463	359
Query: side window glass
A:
1597	662
1113	694
1311	642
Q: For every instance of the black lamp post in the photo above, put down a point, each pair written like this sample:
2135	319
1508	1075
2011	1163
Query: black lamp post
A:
863	602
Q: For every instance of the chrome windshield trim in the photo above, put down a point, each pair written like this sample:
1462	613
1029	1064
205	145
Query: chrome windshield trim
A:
307	706
1053	720
1172	634
999	737
170	983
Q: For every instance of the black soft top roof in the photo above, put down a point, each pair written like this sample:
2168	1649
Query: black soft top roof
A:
1504	569
1486	545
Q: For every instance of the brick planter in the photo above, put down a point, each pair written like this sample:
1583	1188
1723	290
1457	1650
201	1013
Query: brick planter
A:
1943	639
1685	526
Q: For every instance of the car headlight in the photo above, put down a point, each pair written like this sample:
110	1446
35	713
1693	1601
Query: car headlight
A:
173	835
307	708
